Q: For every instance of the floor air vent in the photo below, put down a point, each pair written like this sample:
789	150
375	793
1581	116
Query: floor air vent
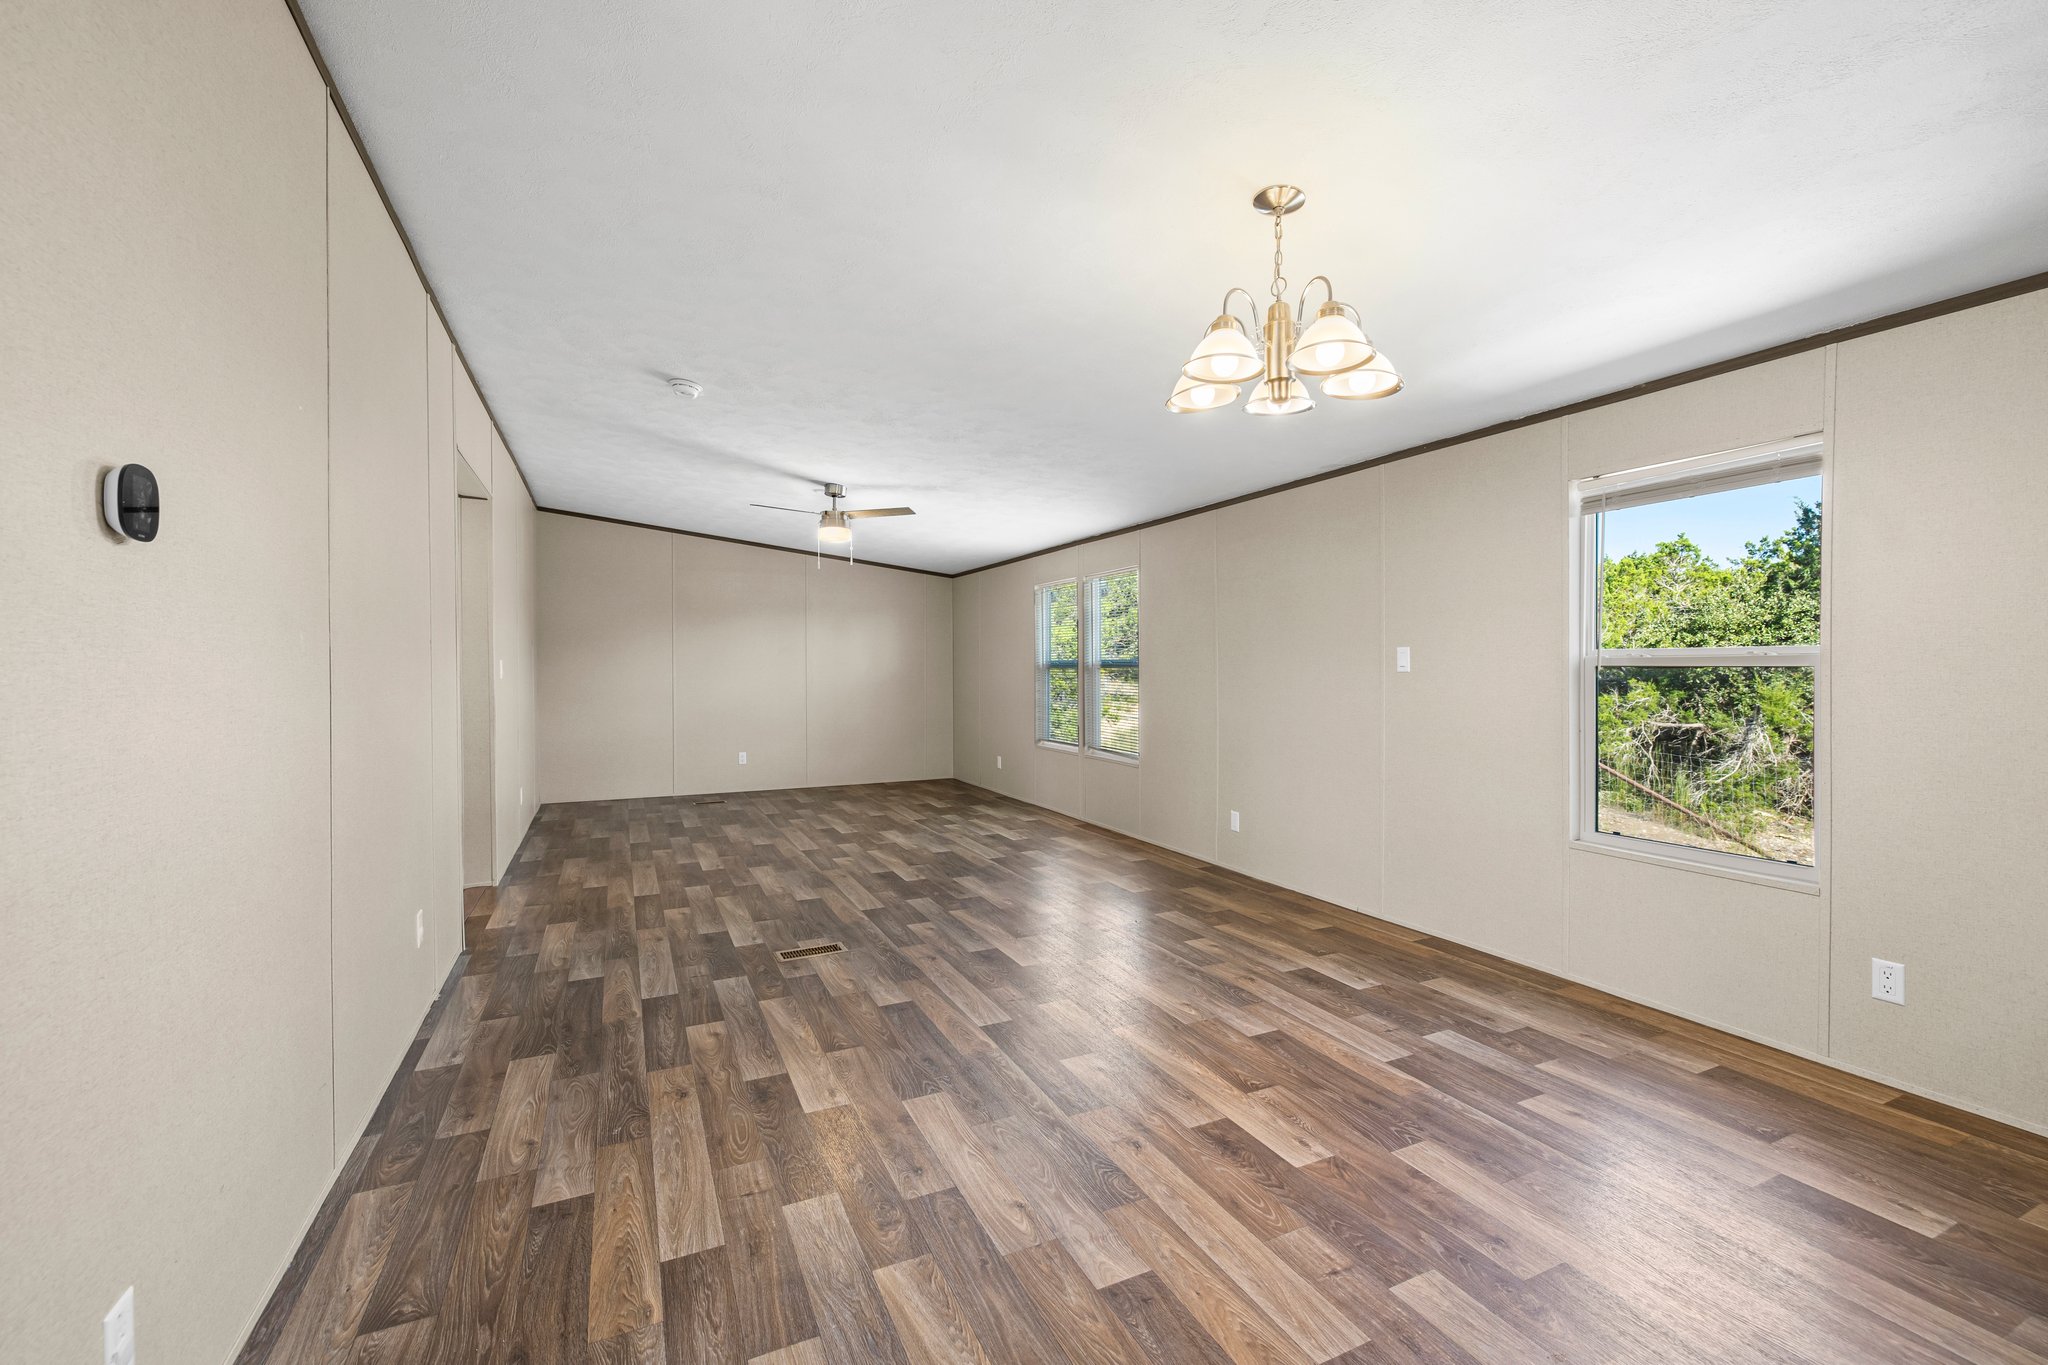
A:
819	950
714	801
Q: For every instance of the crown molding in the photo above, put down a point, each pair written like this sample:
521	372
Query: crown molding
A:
735	540
1975	299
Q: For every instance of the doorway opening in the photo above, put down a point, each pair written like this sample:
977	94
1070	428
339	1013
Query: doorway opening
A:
474	630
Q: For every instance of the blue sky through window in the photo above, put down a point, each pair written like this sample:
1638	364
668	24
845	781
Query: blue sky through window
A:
1719	523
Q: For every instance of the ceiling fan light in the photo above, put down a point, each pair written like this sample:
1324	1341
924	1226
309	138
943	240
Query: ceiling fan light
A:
1280	398
1225	355
1331	344
833	530
1377	378
1195	395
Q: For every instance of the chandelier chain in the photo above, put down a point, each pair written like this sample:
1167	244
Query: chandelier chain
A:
1279	280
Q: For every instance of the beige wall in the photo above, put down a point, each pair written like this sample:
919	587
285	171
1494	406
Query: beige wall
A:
381	616
1297	693
1939	784
444	575
164	759
662	657
1474	737
606	667
878	651
211	969
1440	799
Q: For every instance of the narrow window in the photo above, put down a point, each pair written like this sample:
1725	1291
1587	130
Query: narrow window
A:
1700	637
1112	682
1059	664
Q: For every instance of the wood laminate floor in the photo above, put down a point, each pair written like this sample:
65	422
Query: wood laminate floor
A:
1066	1096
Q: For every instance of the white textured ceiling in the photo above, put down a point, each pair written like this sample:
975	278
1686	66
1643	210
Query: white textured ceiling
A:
953	254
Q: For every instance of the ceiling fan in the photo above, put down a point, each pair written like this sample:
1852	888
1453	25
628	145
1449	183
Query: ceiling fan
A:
835	524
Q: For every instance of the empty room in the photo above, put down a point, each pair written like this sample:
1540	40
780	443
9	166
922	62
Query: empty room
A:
802	683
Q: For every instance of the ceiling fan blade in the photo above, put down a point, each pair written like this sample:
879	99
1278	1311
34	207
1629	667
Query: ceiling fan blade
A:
882	512
802	511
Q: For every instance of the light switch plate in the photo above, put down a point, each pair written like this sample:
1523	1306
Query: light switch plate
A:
1401	658
419	927
1233	822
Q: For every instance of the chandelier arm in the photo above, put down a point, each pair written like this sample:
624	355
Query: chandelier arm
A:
1301	304
1254	304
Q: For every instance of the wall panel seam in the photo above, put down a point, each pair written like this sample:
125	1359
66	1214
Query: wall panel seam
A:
675	778
1216	797
1825	771
1386	687
1571	724
327	300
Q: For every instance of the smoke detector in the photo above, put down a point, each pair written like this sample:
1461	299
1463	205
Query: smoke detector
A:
685	389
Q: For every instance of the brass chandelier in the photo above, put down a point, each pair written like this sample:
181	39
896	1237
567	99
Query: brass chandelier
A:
1234	353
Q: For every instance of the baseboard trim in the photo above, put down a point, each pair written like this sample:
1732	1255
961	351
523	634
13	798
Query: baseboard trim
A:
1967	1106
733	791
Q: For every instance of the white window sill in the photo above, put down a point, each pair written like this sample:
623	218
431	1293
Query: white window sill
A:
1806	881
1103	754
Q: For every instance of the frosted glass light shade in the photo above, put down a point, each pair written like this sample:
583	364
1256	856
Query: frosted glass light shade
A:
833	530
1280	398
1330	345
1193	395
1377	378
1225	355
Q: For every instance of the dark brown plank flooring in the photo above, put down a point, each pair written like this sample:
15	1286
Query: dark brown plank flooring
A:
1066	1096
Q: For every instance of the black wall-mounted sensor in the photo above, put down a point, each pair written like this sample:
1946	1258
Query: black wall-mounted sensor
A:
128	502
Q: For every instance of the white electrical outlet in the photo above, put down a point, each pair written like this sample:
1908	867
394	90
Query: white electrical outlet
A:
1233	822
419	927
1888	980
1401	658
119	1330
743	758
501	668
999	762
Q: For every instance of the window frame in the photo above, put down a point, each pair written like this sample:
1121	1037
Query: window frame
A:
1745	467
1042	666
1091	666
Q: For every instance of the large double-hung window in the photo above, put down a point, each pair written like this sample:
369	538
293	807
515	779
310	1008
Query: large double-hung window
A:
1087	632
1700	635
